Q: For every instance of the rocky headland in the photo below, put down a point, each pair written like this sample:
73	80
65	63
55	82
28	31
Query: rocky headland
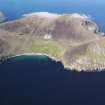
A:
73	39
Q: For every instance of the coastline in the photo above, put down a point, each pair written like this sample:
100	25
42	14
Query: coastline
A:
33	54
66	67
89	26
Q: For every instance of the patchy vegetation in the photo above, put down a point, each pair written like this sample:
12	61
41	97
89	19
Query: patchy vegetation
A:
73	39
51	48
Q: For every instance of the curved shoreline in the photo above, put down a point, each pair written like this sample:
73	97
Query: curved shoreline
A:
32	54
66	67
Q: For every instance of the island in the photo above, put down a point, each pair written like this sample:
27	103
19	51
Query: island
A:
73	39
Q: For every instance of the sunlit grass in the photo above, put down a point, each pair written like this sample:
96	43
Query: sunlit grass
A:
48	47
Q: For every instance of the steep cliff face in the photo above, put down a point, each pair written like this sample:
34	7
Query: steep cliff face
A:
2	17
71	38
89	56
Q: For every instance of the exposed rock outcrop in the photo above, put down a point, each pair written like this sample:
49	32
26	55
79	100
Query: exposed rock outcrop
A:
2	17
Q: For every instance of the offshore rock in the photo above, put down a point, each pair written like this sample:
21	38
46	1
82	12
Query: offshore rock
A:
2	17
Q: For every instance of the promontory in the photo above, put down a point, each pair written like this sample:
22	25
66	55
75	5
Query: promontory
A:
73	39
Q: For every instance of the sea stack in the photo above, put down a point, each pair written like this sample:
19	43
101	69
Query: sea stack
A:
2	17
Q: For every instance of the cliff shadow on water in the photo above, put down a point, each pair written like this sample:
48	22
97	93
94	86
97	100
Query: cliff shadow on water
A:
42	81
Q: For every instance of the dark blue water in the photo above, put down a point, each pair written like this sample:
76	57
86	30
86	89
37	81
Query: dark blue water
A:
14	9
37	80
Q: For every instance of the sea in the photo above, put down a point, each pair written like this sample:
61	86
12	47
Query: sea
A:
39	80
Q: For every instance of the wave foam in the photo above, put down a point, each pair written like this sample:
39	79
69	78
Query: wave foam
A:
55	15
82	16
43	14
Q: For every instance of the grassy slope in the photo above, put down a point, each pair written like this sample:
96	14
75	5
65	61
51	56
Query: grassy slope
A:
50	47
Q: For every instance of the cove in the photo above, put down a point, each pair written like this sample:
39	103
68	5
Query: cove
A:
38	80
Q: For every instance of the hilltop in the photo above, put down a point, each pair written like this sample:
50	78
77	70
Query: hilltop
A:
73	39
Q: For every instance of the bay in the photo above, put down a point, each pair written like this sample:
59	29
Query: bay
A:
38	80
